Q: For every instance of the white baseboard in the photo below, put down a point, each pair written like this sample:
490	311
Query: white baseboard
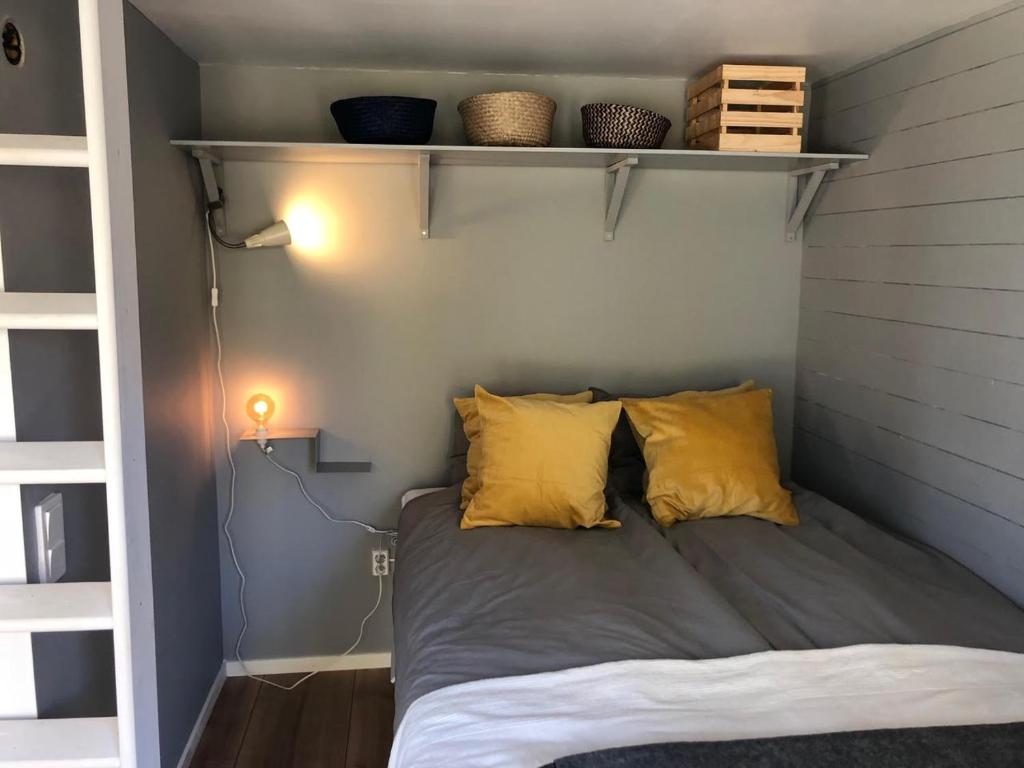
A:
203	719
308	664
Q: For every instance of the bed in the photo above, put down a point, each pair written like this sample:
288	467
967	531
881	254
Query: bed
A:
524	646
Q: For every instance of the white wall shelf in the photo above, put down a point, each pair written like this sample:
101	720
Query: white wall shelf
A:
313	434
615	163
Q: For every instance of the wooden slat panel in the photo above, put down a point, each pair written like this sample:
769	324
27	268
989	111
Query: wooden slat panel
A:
988	545
978	441
974	46
763	96
970	309
748	142
716	119
744	119
918	388
995	357
745	72
975	178
1000	129
999	83
992	401
983	486
226	728
977	223
704	82
715	97
961	266
372	720
768	73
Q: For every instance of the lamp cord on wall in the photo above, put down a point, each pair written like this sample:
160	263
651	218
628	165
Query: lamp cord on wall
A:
215	305
213	232
317	506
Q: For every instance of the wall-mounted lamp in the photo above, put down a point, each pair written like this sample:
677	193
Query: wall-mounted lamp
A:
260	408
276	234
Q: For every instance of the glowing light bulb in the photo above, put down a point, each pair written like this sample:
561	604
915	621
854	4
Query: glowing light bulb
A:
312	226
260	408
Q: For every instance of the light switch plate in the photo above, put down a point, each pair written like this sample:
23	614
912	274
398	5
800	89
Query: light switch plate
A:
51	557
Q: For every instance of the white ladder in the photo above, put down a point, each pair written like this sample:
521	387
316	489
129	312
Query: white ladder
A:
27	608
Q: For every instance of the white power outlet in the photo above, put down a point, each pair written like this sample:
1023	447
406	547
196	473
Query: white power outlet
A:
381	563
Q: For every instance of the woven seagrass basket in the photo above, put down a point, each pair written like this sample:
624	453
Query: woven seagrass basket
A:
508	119
620	126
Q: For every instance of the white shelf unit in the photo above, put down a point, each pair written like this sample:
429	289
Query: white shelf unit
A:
52	462
48	311
60	743
61	607
44	150
613	162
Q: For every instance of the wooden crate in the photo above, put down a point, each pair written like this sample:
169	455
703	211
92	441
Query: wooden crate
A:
746	108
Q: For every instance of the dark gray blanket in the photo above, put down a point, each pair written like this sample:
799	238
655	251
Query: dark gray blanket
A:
494	602
978	746
837	579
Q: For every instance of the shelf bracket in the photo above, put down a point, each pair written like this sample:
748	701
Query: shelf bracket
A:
615	191
423	164
212	188
805	197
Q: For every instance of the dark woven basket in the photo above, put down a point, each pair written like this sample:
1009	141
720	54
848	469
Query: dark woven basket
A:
385	119
620	126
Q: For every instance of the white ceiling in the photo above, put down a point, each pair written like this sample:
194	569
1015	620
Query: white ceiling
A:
676	38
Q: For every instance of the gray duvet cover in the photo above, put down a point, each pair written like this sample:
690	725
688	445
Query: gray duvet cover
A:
837	579
494	602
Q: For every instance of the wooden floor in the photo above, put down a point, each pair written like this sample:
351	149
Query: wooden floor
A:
333	720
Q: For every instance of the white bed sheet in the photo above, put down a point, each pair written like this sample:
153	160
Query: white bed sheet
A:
531	720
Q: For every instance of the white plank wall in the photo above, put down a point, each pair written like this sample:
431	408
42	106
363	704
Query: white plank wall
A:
910	382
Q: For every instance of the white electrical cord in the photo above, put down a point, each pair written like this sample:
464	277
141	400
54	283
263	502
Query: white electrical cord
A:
215	304
327	515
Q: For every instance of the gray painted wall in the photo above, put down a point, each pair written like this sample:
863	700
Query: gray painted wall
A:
163	91
47	246
369	338
910	381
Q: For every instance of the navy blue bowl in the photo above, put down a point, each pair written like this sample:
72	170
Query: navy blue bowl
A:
385	119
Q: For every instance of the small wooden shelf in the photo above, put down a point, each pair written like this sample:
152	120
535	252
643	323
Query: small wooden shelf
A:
615	162
313	434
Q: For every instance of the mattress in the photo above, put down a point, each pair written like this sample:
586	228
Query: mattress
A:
497	602
838	580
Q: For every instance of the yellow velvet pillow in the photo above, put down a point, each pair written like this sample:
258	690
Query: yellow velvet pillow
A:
543	463
466	406
711	456
744	386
